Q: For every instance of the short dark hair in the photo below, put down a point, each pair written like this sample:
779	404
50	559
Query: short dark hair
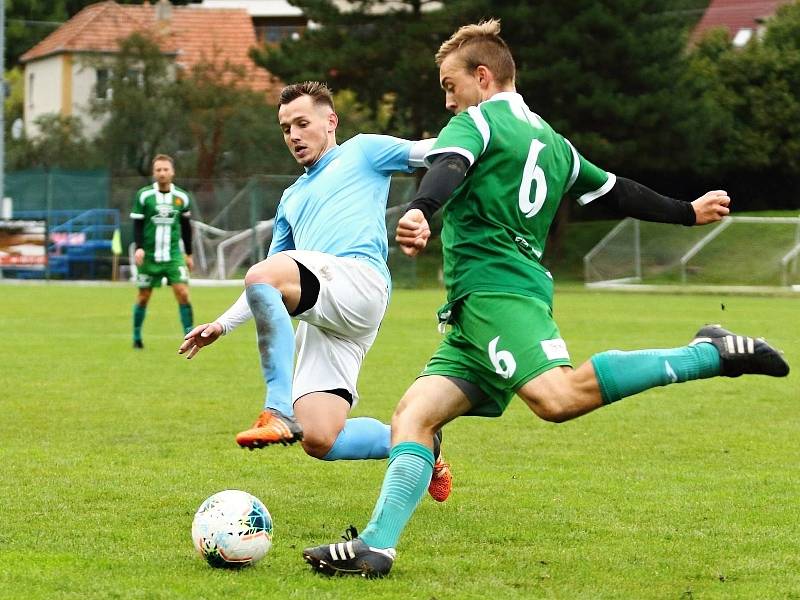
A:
158	157
319	92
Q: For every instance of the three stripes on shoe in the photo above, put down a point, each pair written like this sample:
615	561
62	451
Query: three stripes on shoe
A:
734	344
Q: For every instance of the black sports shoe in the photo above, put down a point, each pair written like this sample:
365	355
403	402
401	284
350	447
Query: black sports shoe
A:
741	355
138	345
351	557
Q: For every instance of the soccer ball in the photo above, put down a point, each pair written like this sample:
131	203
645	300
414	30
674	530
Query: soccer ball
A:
232	529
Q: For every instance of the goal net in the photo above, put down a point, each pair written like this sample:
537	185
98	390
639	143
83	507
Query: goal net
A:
736	252
240	234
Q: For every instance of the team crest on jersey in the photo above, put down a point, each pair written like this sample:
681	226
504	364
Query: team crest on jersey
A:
178	202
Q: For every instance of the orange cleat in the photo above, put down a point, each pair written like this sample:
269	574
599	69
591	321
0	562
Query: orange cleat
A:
441	481
271	427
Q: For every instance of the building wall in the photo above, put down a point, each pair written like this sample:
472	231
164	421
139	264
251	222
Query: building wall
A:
84	80
66	84
43	89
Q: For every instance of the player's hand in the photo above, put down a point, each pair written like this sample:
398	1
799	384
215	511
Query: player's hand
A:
412	232
711	207
138	257
189	262
200	336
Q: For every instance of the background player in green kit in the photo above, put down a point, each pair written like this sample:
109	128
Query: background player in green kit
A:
161	218
501	171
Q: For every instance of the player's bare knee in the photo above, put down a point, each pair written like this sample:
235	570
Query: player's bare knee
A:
258	273
553	412
550	408
410	419
316	450
278	271
317	444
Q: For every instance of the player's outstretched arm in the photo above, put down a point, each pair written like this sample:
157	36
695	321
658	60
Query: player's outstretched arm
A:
711	207
199	337
412	232
635	200
208	333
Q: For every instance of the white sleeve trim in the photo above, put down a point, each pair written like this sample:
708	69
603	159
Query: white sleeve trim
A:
416	157
576	166
454	149
238	313
481	124
601	191
136	216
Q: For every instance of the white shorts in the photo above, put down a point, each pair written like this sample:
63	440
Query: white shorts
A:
334	335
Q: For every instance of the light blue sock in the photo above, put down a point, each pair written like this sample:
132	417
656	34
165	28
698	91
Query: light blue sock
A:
275	344
622	374
361	438
407	478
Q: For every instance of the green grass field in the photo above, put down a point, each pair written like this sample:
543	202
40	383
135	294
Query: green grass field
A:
690	491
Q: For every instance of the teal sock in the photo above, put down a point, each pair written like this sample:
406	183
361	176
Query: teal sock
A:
187	317
622	374
407	478
138	319
275	344
362	438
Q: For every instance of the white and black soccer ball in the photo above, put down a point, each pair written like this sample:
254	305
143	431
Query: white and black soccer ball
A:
232	529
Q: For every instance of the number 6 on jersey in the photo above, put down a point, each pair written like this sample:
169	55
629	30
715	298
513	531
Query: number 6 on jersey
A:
532	172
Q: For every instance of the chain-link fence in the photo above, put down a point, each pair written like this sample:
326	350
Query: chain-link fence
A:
232	216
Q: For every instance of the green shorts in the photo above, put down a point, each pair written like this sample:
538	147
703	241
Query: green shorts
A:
150	274
498	341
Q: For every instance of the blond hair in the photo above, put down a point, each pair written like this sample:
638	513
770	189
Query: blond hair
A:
478	45
159	157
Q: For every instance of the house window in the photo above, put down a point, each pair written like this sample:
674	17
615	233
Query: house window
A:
103	85
30	90
135	77
742	37
275	34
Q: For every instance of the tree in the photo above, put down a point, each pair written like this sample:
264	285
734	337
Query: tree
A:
231	127
143	115
752	116
28	22
208	115
606	75
381	51
603	74
60	143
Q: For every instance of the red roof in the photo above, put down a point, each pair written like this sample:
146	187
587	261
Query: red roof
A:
192	34
735	15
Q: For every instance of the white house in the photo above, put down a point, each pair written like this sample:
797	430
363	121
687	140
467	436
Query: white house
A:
62	72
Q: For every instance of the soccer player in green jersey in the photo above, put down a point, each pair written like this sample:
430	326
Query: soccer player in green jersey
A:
161	218
500	171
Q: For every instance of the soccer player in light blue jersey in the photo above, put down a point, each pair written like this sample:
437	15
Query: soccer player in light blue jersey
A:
326	266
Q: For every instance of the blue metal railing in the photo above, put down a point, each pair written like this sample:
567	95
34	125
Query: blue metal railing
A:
73	237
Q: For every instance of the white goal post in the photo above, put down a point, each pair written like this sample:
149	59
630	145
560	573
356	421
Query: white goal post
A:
738	252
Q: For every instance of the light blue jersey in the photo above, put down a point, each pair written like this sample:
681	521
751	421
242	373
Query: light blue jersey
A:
338	206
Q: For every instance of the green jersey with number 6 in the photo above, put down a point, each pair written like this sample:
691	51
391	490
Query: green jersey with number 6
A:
495	224
161	212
